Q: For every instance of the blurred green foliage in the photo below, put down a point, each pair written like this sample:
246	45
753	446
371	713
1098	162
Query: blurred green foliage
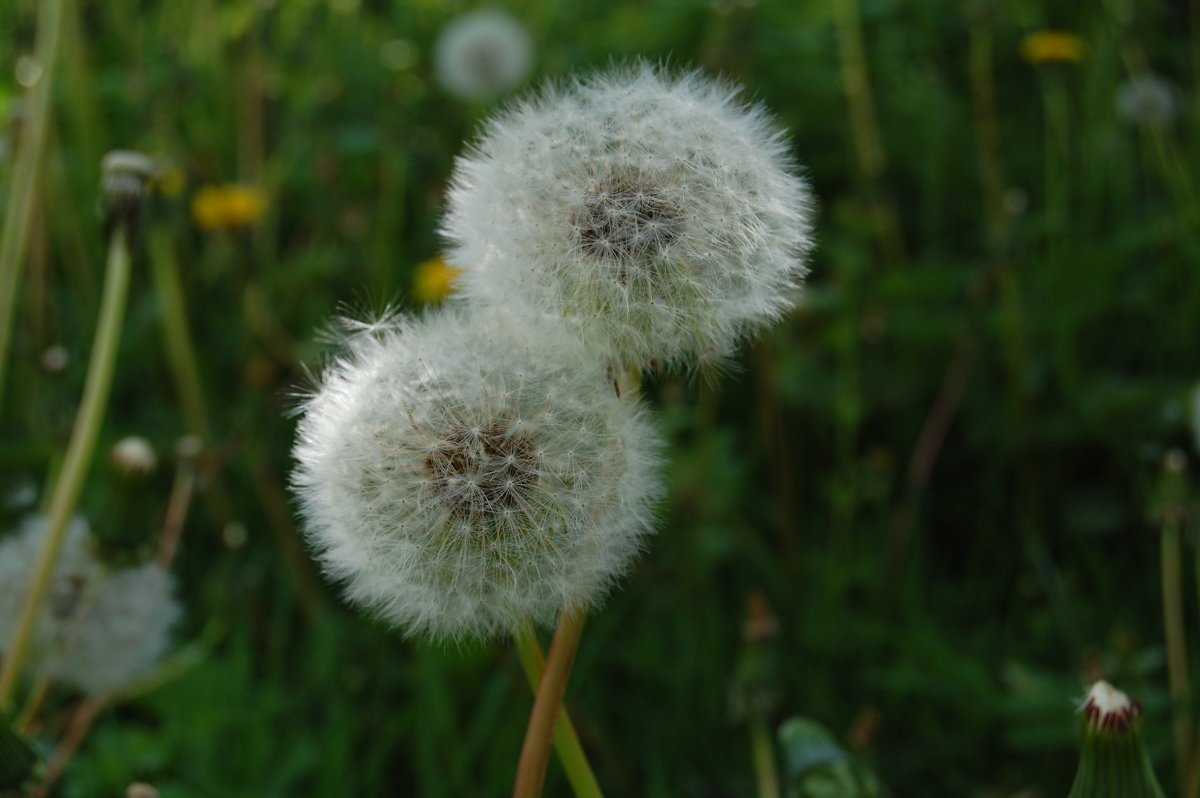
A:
938	470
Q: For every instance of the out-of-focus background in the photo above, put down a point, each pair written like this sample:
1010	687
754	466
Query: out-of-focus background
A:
942	475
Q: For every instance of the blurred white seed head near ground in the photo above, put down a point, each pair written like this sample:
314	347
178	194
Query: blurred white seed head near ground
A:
659	212
99	629
482	54
462	472
1147	100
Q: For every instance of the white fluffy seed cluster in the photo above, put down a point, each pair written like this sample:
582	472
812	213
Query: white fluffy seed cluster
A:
462	472
1147	100
482	54
659	213
100	629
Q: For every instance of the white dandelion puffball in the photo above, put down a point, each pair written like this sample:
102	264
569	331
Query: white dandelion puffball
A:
658	212
482	54
459	473
1146	100
99	629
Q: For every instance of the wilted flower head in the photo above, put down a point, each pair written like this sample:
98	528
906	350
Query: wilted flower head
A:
460	473
1146	100
99	629
658	211
482	54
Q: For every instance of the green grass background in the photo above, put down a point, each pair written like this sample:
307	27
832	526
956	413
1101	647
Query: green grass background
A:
1050	318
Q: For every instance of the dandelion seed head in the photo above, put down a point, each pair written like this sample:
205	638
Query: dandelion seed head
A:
1147	100
461	472
658	212
99	629
482	54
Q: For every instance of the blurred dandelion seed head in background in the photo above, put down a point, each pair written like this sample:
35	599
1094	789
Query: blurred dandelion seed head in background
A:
99	629
1147	100
482	54
464	471
658	211
1052	46
228	207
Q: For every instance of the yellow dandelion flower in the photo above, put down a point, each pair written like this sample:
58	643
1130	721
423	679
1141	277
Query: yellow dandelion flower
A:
434	280
229	206
1046	46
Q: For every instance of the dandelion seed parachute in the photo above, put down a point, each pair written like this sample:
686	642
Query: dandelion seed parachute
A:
658	212
99	629
482	54
462	472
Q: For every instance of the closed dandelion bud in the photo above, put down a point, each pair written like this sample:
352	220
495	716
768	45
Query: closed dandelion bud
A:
461	472
124	176
482	54
1113	762
100	629
658	212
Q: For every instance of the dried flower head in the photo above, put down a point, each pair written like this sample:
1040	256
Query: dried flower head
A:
1147	101
657	211
462	472
482	54
99	629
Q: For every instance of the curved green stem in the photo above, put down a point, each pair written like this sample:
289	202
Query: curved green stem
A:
566	742
79	455
535	753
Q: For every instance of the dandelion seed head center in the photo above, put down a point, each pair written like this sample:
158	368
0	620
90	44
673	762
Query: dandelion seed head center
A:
626	220
483	470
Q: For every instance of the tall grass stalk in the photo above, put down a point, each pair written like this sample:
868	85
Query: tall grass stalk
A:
864	127
765	773
78	457
14	238
1176	641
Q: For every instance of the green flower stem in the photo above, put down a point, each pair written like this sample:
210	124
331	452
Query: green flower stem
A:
566	742
1177	670
14	238
185	369
765	773
535	753
79	455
